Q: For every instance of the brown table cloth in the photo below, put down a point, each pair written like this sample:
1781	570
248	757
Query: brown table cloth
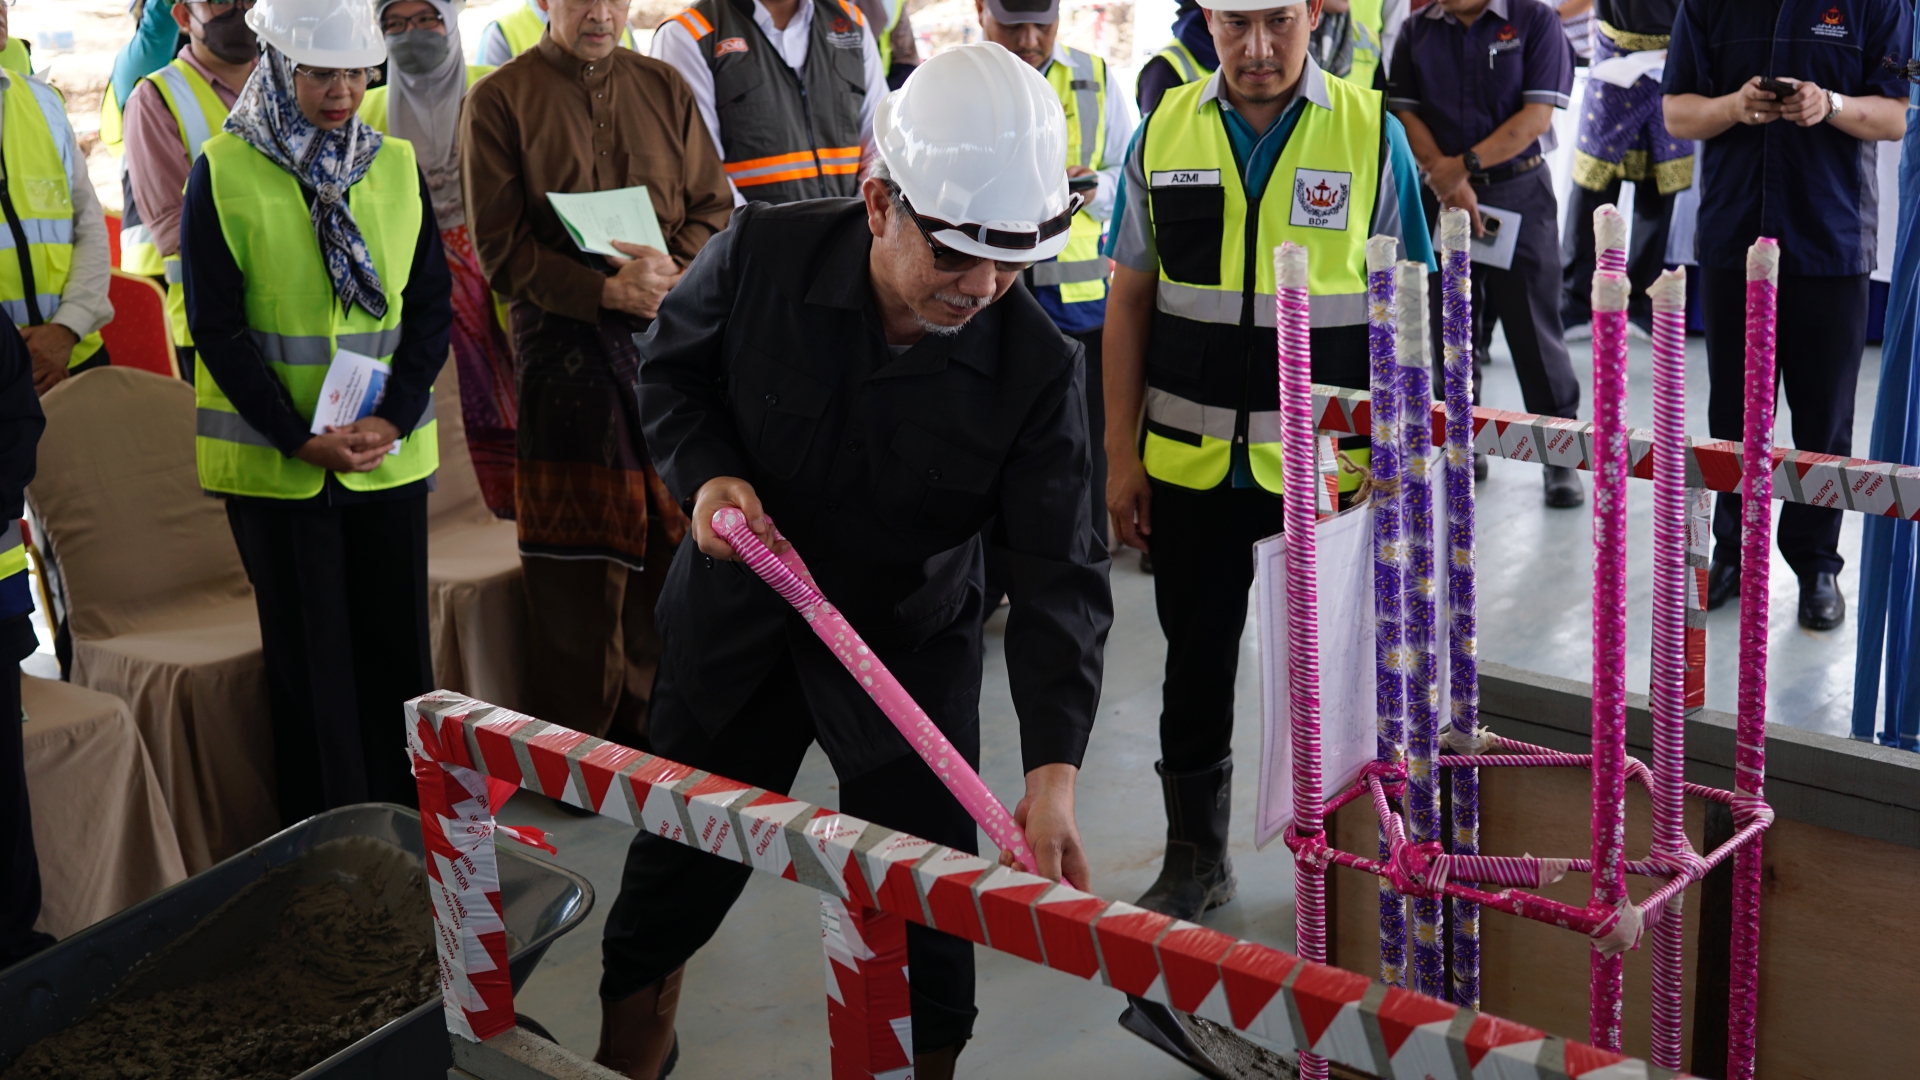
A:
100	824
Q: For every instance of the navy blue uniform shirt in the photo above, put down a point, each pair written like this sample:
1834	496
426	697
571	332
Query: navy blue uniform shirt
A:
1813	189
1465	81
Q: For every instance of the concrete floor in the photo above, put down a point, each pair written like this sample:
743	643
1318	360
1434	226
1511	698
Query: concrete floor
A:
753	1001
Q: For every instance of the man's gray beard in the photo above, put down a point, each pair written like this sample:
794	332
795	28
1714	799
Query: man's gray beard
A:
947	331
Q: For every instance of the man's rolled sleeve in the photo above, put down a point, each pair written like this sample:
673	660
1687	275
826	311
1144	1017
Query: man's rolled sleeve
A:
1061	602
1547	78
682	387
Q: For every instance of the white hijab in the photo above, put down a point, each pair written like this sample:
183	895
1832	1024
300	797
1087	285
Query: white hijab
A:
425	111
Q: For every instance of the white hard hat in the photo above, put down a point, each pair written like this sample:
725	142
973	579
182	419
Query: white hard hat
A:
977	141
1247	5
323	33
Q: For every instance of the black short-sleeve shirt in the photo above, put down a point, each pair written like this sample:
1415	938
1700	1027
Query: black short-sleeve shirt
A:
1465	81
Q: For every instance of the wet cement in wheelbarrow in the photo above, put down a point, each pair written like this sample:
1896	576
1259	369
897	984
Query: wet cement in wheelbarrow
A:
308	960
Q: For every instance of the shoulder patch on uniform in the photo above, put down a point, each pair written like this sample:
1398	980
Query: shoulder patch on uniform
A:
1185	178
730	45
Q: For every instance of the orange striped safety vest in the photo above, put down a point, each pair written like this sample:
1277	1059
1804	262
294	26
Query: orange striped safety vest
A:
786	136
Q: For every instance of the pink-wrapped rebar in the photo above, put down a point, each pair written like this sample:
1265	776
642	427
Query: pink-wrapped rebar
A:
789	577
1610	467
1609	240
1389	567
1669	678
1299	474
1750	731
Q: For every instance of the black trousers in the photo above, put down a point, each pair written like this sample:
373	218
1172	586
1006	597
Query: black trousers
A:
1525	298
20	886
342	593
1646	250
673	897
1202	548
1820	334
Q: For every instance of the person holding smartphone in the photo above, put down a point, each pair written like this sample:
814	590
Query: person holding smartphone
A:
1476	83
1787	96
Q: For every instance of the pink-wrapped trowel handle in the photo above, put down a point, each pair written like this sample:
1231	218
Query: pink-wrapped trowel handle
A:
789	577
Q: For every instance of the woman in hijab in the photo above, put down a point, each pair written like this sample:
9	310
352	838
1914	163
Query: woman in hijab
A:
318	297
426	78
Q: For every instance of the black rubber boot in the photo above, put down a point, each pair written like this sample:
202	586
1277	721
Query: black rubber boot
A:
1197	875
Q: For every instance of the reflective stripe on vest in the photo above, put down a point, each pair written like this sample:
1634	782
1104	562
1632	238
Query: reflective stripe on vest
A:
16	595
198	112
39	154
785	135
1081	84
1321	194
297	321
1366	55
1185	64
522	27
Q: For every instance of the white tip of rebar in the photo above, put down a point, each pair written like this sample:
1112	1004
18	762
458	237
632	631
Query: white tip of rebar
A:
1609	228
1669	291
1610	292
1455	226
1382	251
1410	314
1763	261
1290	265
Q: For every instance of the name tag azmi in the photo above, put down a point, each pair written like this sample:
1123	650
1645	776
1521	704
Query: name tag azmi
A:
1184	178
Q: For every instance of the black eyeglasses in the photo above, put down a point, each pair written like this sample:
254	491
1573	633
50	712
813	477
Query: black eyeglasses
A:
948	261
426	20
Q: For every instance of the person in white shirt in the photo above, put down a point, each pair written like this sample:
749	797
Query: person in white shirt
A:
787	94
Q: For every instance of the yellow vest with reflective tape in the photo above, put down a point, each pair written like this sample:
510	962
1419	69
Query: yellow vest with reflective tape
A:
1321	195
1184	63
1368	53
39	154
16	593
14	57
198	112
883	38
523	26
297	321
1081	83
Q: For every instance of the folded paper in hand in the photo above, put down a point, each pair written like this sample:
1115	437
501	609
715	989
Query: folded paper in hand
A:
354	386
597	218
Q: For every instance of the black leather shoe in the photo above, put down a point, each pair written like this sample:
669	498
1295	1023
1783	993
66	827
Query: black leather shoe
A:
1479	467
1564	490
1821	605
1723	584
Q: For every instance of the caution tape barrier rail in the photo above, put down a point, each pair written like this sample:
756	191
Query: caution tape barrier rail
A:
469	756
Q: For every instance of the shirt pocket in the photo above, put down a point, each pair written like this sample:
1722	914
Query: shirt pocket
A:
779	408
928	484
1187	225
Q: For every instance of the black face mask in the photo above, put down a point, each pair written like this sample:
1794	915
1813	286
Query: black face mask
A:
230	38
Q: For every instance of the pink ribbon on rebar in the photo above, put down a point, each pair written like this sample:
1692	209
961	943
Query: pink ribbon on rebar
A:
789	577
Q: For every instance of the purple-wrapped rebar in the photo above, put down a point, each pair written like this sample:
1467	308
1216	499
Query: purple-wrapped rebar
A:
1426	951
1300	477
1389	564
1750	730
1463	672
1669	678
1610	465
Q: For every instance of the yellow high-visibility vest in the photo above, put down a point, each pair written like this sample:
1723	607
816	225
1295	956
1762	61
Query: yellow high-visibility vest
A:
39	155
1080	271
198	112
296	319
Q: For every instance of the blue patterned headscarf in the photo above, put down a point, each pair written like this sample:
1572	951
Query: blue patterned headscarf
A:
267	117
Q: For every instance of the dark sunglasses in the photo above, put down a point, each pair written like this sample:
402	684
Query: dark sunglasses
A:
948	261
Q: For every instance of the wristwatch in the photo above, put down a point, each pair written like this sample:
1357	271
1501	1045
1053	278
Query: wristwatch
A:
1834	104
1472	161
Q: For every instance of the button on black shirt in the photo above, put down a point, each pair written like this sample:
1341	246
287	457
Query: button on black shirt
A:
882	465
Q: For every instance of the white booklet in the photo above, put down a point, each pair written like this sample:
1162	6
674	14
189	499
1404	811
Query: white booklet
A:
1503	232
597	218
354	386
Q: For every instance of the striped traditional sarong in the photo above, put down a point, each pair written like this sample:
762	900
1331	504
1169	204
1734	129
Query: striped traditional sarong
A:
1623	131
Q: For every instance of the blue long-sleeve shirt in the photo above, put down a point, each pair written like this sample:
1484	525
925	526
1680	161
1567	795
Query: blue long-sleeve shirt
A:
155	40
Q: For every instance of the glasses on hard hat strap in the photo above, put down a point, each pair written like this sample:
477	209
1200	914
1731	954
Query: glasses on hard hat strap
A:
948	261
329	76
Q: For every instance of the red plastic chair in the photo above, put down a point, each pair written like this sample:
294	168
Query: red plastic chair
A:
137	337
113	238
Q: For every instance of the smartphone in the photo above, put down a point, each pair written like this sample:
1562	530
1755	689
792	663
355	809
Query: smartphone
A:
1779	88
1490	226
1082	183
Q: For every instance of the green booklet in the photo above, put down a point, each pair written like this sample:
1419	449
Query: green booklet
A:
596	218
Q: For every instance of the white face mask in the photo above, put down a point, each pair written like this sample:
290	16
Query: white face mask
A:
418	52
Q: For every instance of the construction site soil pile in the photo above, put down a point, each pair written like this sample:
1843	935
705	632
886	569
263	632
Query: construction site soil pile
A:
329	962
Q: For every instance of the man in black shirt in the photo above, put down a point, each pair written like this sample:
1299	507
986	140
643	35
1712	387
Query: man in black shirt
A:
866	374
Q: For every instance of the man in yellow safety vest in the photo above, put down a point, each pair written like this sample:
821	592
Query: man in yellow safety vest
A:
519	30
170	115
1072	288
53	284
1269	148
1188	58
